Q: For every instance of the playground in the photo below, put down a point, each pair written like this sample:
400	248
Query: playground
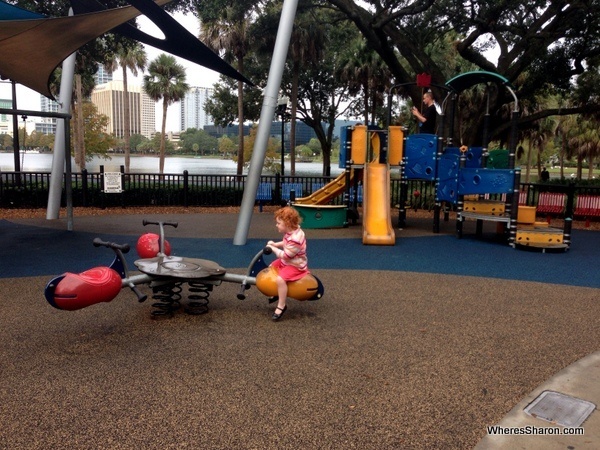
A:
421	340
419	345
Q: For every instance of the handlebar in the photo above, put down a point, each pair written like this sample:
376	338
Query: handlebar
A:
267	250
170	224
100	243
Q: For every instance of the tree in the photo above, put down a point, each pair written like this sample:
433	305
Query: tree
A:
193	141
366	74
97	141
135	141
227	34
166	81
272	154
542	47
585	144
226	146
132	57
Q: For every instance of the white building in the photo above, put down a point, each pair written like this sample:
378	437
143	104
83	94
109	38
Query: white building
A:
6	121
108	98
192	108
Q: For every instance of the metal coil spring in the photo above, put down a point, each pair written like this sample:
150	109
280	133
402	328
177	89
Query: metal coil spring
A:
168	296
199	293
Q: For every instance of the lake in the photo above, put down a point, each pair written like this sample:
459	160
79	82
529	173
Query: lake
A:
42	162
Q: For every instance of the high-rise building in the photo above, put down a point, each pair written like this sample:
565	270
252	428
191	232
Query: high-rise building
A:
6	121
108	98
103	76
192	108
47	125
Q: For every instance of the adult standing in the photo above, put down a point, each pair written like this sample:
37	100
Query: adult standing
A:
427	119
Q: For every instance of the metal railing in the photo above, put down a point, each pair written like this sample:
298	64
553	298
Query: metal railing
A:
30	190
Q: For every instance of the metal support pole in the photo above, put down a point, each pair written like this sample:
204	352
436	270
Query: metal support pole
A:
282	43
61	151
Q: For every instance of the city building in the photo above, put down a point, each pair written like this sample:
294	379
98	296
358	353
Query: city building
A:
231	130
108	98
6	121
102	76
192	114
46	125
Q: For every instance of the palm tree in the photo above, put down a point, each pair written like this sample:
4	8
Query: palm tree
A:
132	58
585	143
229	35
166	81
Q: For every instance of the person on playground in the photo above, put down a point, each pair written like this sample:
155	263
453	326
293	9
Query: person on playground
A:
428	118
291	261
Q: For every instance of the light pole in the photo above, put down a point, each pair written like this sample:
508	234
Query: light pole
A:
282	105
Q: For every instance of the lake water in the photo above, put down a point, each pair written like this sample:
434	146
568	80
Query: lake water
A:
42	162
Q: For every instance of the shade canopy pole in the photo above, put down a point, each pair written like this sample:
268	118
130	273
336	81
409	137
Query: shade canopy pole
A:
271	94
60	152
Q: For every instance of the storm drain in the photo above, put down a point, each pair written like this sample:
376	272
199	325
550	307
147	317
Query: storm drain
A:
560	409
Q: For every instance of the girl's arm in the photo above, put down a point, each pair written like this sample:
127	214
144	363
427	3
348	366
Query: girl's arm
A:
275	244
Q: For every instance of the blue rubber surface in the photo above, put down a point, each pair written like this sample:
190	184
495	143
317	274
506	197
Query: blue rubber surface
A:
34	251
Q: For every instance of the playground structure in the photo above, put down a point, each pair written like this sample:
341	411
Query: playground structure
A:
365	157
166	275
478	184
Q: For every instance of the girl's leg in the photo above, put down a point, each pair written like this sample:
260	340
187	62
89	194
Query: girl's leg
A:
282	290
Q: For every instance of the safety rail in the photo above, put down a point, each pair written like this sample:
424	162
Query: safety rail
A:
30	190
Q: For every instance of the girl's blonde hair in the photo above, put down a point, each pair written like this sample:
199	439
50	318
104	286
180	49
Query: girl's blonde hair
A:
289	216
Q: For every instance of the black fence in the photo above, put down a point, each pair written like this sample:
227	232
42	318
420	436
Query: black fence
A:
30	190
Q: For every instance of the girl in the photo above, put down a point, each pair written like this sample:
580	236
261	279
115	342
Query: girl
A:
292	263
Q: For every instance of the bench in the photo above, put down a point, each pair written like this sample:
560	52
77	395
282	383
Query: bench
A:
316	186
359	196
551	203
522	198
287	188
587	205
264	193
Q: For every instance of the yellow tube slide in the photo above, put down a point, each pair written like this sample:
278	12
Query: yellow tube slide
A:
377	220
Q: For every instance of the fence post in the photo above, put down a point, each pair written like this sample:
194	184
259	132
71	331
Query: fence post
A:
186	186
102	194
278	193
84	187
122	170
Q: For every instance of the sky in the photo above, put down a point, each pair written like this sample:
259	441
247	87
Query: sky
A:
195	75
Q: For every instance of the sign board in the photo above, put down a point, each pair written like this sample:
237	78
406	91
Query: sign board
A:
113	183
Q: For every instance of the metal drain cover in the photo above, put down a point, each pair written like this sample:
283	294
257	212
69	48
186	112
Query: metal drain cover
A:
560	409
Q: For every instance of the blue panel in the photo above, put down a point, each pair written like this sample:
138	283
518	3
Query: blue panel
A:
420	152
473	155
447	189
486	181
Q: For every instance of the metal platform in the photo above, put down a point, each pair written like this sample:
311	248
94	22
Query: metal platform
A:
560	408
179	267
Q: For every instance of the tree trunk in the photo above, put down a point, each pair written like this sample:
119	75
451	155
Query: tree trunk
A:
78	132
293	120
127	120
529	158
240	162
161	167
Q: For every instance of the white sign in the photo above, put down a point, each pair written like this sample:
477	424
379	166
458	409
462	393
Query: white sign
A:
113	182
